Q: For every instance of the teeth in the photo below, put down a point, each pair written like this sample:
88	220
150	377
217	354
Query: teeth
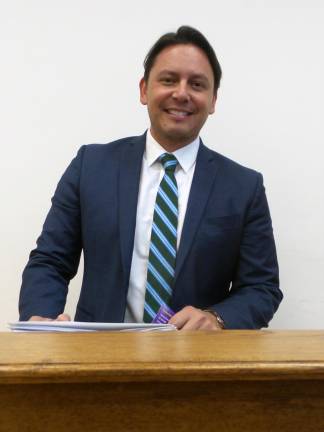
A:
176	112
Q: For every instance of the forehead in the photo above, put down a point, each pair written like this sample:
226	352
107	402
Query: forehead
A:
183	58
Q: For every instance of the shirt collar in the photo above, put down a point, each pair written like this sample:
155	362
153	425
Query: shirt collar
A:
186	155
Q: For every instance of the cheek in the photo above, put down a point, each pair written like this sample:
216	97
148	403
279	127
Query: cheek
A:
154	103
205	103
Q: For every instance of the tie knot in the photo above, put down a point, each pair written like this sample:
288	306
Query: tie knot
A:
169	162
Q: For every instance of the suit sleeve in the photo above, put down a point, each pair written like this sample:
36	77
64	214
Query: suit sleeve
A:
255	295
55	260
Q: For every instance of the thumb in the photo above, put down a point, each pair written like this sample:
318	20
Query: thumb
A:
63	317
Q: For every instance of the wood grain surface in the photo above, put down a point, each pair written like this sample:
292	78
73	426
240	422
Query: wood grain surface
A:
229	381
201	355
203	406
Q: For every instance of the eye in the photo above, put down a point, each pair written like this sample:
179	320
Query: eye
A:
167	80
197	85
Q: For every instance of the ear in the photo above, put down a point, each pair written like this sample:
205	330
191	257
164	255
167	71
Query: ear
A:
143	91
213	103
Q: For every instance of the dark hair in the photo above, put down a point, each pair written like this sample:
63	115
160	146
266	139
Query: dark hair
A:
184	35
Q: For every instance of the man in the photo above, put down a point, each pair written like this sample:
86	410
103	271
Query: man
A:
163	221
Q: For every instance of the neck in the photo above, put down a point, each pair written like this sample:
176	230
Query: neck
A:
171	145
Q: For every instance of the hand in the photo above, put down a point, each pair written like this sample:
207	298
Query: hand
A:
61	317
191	318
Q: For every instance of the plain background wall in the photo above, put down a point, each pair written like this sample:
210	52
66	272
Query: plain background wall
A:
69	75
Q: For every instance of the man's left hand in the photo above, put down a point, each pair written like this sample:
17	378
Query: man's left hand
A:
191	318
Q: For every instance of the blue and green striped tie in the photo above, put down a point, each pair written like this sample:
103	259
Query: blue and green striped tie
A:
163	246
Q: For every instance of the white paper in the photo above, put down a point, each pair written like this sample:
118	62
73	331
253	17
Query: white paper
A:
74	326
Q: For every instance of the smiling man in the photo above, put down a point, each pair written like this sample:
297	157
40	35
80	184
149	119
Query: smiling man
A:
180	95
171	231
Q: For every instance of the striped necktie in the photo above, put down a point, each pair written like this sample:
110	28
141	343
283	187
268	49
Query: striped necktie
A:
163	246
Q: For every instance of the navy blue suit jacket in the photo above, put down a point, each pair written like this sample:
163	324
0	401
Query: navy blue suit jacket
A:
226	258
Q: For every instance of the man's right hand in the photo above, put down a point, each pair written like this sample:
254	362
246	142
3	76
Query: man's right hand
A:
61	317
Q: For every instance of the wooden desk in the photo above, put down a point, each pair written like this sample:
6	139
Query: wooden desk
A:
242	381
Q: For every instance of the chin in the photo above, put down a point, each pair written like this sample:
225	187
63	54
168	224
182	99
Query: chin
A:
180	137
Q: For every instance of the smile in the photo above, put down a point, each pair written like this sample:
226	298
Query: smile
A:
178	113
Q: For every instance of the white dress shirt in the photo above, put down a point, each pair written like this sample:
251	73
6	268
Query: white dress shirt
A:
151	176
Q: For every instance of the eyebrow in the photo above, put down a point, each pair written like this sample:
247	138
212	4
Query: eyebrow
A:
194	76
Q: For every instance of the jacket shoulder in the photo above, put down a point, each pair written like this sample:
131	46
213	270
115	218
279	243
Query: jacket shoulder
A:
229	166
114	146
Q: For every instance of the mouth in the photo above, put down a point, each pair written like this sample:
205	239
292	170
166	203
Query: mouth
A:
177	113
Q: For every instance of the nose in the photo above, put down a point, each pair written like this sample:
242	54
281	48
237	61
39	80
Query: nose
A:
181	92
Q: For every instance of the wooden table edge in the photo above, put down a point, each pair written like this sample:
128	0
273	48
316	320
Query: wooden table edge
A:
123	372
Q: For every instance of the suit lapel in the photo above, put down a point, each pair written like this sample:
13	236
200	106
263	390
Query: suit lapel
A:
204	176
129	178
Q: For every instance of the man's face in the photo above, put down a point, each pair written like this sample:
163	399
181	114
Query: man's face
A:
179	95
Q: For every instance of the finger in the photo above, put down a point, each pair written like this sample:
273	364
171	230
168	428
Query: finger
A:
200	322
196	322
179	319
183	316
39	318
191	325
63	317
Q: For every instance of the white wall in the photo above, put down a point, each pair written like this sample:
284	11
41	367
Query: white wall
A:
69	75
